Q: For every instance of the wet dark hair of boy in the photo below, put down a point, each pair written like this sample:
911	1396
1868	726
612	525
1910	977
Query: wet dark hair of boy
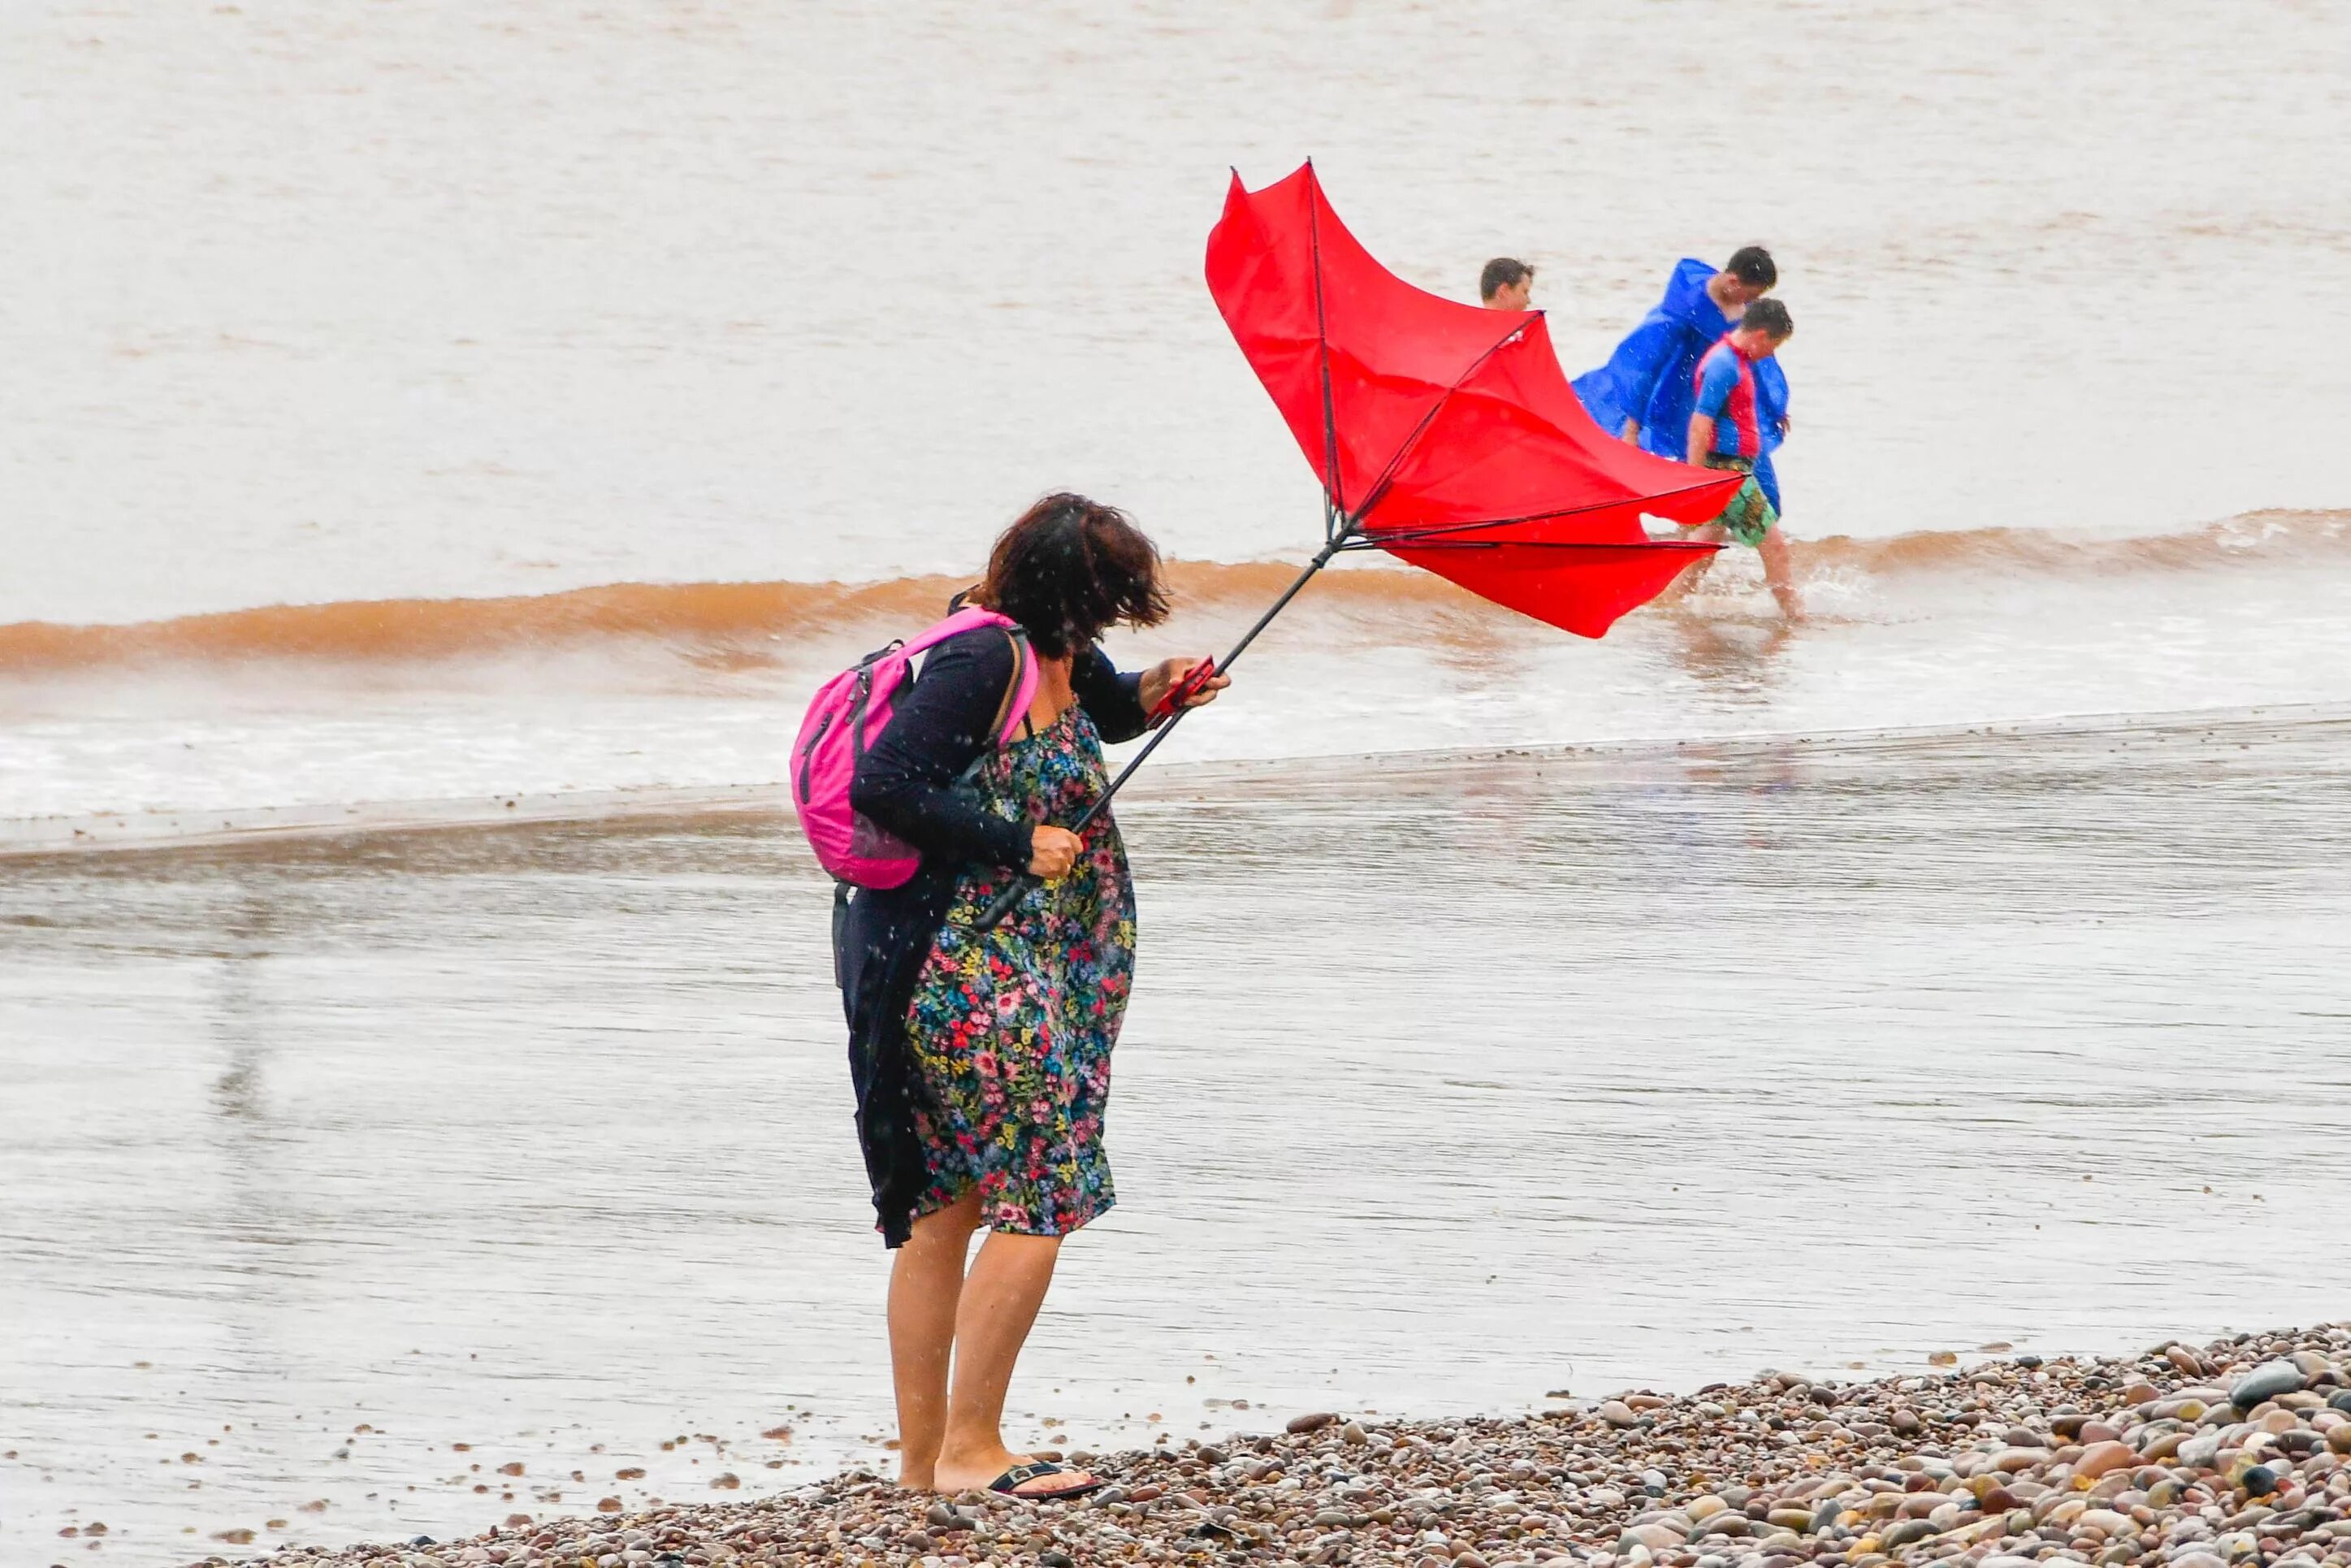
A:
1069	570
1752	265
1771	317
1499	274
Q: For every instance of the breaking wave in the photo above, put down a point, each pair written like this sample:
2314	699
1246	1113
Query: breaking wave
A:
2267	537
729	623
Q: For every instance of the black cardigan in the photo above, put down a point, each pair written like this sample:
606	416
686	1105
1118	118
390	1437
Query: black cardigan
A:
911	782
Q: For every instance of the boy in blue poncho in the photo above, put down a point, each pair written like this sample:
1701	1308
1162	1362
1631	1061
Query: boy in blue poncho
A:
1643	392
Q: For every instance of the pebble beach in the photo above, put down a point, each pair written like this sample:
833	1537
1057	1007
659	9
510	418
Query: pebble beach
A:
2234	1454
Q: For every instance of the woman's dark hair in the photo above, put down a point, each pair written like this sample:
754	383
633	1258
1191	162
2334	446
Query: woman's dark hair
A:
1752	265
1069	570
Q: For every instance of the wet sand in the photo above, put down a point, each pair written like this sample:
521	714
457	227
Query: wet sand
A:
1450	1083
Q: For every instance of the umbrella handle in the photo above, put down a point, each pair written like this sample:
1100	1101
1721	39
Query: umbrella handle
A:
1181	694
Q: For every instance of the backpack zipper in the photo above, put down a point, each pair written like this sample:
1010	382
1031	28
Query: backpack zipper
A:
808	756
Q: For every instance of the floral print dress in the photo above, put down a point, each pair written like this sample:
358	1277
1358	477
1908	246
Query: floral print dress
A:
1012	1028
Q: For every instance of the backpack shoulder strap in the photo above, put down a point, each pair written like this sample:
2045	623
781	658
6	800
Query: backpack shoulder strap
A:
1021	685
1019	690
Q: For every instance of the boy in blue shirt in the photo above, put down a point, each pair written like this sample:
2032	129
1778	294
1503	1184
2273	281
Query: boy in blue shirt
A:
1727	431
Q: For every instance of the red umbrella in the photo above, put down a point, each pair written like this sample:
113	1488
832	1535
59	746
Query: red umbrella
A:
1444	433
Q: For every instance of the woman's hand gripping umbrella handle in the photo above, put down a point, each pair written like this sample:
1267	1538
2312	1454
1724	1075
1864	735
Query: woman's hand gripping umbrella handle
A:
1172	707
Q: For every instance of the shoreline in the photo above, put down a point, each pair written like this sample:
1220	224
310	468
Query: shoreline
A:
2232	1454
172	832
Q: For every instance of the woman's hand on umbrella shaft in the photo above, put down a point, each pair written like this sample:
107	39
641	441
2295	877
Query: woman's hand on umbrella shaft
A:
1168	674
1052	850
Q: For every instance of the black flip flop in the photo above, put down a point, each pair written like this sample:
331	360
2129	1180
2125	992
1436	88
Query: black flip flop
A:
1010	1481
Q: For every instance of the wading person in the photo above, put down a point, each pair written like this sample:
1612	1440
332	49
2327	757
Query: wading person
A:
1726	432
981	1059
1506	284
1643	392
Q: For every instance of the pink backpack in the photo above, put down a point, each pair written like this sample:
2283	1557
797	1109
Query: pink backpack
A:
844	717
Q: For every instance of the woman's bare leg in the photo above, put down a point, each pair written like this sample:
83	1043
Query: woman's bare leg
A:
925	1290
1780	573
1000	1298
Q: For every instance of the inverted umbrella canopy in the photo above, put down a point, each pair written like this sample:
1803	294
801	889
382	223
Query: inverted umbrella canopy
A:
1444	432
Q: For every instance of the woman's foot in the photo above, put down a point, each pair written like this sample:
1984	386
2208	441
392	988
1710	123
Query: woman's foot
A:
926	1478
982	1469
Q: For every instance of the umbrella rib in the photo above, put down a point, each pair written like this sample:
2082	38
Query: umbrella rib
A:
1335	492
1392	544
1388	535
1379	490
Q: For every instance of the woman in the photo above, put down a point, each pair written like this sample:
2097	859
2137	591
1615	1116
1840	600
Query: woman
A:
982	1059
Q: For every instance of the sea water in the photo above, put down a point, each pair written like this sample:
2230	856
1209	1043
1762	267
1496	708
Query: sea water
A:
421	316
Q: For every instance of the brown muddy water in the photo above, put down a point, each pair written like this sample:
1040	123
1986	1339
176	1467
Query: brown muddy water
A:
343	1174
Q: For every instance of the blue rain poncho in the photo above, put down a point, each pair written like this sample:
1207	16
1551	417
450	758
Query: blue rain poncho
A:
1649	376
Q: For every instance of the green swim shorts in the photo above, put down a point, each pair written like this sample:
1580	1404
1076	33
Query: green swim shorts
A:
1749	514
